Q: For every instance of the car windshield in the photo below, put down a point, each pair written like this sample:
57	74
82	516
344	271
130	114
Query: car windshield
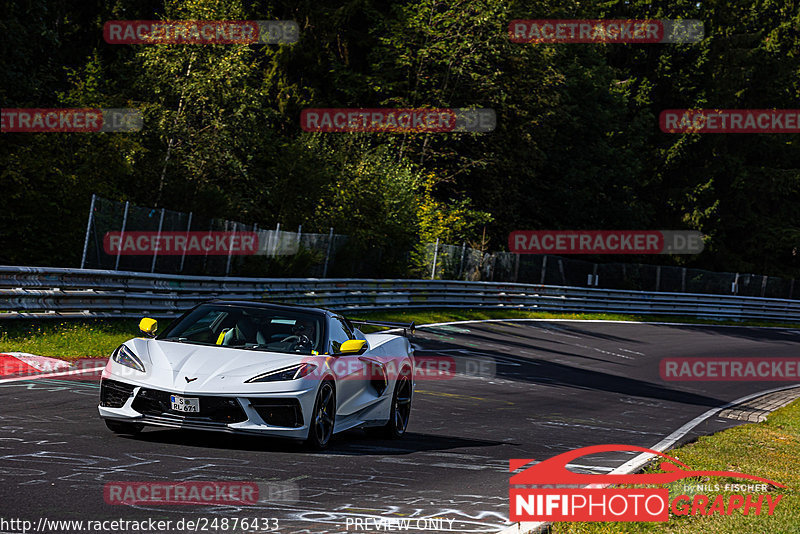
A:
244	327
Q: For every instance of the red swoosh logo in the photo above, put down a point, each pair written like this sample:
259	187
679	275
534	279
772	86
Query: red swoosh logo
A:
554	470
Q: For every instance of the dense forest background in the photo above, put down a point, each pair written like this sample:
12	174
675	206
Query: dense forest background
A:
577	144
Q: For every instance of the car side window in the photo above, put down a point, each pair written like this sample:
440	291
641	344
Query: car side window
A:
339	333
203	329
350	328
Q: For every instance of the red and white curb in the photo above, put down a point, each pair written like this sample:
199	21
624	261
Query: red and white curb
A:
12	363
16	366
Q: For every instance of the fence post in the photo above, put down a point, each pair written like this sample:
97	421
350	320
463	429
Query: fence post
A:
122	234
791	288
158	242
658	278
88	227
328	254
763	284
435	255
735	285
188	229
258	239
683	280
461	265
516	268
230	249
299	233
544	270
276	240
561	270
594	276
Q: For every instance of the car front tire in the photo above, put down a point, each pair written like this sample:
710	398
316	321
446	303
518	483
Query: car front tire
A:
323	418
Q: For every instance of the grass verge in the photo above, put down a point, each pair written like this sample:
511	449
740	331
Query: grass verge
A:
70	340
770	449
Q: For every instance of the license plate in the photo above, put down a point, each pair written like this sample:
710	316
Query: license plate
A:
185	404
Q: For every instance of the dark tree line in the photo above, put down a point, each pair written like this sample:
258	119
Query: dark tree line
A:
577	144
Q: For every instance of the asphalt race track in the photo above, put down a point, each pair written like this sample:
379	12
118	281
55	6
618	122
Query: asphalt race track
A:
548	387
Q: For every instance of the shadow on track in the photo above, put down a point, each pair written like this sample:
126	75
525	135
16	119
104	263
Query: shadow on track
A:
352	442
542	371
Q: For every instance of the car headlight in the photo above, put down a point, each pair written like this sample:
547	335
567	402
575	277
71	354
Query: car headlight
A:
288	373
125	356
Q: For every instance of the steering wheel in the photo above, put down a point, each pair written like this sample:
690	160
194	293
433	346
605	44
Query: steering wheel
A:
300	342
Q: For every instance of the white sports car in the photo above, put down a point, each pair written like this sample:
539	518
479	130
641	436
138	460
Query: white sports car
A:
248	367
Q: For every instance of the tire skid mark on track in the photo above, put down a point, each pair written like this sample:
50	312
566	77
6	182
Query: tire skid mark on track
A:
601	351
459	396
51	387
591	427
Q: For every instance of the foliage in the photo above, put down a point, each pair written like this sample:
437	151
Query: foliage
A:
577	144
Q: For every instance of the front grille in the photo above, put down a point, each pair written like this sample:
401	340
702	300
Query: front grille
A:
279	412
114	394
216	409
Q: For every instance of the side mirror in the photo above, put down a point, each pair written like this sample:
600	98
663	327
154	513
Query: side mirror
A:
353	346
148	326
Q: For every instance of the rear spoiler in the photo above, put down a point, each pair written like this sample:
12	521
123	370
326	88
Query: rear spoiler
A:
405	326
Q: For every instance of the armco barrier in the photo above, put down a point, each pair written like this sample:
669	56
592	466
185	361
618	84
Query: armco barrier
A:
41	292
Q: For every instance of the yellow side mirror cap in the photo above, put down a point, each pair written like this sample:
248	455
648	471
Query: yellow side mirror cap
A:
353	346
148	326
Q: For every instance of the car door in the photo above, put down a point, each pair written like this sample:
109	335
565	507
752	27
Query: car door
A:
349	369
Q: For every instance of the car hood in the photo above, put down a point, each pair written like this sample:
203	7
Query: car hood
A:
209	368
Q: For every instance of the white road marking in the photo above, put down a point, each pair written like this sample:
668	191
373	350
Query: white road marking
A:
591	467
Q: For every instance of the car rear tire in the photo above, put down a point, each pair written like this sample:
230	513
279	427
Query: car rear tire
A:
119	427
323	418
400	412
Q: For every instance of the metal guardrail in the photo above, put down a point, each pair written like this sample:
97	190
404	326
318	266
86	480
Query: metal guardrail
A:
41	292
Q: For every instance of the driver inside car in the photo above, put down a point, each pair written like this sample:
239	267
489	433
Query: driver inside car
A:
304	332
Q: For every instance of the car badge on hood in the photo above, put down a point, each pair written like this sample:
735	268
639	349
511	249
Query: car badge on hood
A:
189	379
